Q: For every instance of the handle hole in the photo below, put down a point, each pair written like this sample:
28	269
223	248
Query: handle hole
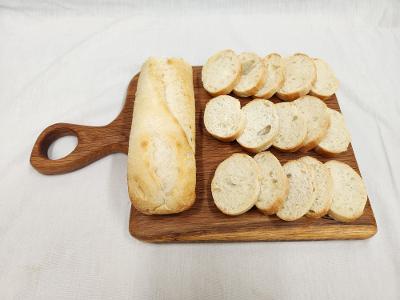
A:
62	146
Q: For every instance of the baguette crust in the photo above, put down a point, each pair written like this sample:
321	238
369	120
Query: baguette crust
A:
161	162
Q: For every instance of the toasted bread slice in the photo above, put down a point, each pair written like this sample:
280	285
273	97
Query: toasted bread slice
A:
300	74
262	125
274	183
236	184
349	193
301	191
317	117
253	75
221	72
292	128
275	76
337	138
223	118
323	187
326	84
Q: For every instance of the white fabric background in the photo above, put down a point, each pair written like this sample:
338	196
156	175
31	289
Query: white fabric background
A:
66	236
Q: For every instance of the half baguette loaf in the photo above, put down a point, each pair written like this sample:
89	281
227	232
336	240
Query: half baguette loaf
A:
161	161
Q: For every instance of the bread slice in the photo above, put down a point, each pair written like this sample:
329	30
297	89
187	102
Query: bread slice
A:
223	118
322	187
253	75
326	84
301	191
221	72
262	125
300	74
274	183
349	193
236	184
275	76
316	115
292	128
337	138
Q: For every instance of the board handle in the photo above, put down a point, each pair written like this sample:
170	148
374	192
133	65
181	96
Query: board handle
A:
94	142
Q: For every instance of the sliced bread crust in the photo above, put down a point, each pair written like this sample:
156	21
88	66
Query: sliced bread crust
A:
262	125
274	183
236	184
221	72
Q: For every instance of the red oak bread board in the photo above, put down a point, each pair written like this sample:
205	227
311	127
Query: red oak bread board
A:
203	222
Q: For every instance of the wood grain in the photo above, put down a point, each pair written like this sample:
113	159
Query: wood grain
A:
203	222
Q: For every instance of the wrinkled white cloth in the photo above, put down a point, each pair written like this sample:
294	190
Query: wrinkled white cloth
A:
66	236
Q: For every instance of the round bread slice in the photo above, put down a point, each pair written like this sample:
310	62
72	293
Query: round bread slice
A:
262	125
322	187
274	183
252	76
236	184
223	118
292	127
316	115
275	76
326	84
301	191
337	138
221	72
300	74
349	193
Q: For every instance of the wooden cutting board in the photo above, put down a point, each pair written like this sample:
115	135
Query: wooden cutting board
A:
203	222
